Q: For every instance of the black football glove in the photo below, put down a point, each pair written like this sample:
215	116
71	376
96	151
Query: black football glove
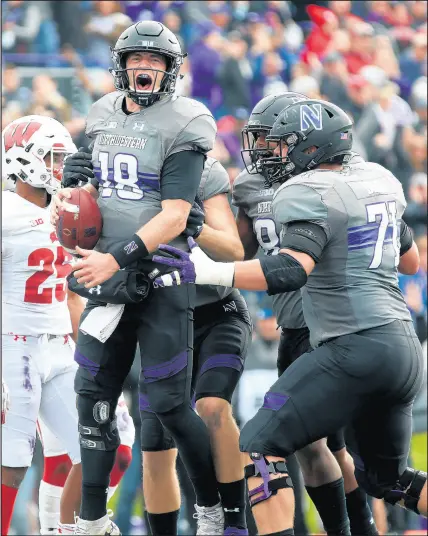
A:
77	167
196	219
123	287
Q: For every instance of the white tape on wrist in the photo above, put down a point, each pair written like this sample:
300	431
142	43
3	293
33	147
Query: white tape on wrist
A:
216	273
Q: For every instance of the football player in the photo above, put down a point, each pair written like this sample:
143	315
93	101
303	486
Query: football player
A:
253	195
40	318
342	239
222	333
148	156
38	313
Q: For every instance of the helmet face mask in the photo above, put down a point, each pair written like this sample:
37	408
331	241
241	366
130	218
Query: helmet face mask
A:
34	151
277	168
146	36
255	148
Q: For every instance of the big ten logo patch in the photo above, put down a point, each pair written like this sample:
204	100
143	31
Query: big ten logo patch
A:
264	207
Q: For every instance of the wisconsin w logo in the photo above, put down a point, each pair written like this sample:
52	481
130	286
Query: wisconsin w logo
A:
310	116
19	134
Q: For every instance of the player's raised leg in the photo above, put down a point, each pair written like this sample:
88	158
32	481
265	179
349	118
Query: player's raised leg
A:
379	439
287	421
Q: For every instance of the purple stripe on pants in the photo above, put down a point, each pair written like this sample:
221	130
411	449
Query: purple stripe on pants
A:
86	363
274	401
167	369
143	403
222	360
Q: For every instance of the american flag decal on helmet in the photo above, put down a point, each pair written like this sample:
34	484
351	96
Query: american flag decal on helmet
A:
343	135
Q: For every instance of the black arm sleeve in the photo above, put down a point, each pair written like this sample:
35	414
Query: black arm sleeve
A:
305	237
406	238
181	175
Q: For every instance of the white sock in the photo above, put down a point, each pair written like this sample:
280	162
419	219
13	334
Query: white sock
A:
49	501
111	491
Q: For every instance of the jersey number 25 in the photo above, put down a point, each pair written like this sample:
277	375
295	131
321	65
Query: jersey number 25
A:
51	264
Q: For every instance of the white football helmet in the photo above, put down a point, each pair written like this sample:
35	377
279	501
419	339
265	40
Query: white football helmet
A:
34	150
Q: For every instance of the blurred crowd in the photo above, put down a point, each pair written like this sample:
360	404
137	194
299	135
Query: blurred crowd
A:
369	57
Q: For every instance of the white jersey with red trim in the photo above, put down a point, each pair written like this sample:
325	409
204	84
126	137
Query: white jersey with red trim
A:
34	271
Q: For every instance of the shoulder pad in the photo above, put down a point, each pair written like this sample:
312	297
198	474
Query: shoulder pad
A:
12	212
243	185
102	109
214	180
195	126
298	202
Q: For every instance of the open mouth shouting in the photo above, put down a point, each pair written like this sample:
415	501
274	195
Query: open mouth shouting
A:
144	82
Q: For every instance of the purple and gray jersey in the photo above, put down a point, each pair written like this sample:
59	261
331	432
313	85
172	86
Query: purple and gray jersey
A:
250	194
129	153
214	181
354	286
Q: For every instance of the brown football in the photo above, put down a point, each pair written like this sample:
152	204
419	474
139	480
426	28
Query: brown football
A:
80	221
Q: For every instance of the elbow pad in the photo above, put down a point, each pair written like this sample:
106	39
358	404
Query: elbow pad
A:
283	273
406	238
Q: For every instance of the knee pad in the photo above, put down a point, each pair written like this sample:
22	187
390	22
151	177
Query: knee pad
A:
154	437
263	469
407	488
97	424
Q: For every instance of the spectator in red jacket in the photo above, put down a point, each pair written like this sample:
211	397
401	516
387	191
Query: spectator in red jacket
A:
362	47
319	40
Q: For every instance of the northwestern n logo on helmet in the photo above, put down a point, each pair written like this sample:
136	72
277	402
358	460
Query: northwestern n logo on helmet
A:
310	116
19	134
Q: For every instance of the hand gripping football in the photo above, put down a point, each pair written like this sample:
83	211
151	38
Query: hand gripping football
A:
79	222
